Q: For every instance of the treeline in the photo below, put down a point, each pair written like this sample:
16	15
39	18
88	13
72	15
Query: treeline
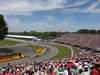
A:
52	35
87	31
42	35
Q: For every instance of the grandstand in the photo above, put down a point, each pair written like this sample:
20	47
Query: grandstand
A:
87	41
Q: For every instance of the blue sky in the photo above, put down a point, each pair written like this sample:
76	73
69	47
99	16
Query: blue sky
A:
51	15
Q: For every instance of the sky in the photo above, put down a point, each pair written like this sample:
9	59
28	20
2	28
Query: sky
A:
50	15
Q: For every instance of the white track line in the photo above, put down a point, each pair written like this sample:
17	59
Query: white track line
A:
72	53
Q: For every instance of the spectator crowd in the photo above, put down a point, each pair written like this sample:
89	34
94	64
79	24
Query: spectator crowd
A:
87	62
91	41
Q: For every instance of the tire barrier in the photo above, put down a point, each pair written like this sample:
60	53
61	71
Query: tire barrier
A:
15	56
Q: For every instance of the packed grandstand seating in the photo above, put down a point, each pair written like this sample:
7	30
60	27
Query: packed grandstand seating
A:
89	41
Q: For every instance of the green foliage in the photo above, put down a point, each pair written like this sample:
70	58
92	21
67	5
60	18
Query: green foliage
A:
53	35
98	31
92	31
3	28
42	35
63	52
83	31
87	31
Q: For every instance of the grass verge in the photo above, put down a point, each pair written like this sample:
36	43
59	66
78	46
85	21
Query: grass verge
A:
8	42
63	52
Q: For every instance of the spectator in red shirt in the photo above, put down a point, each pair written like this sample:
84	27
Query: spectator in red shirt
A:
9	73
95	71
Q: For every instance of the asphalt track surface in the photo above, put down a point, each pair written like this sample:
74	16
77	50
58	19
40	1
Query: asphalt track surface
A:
30	56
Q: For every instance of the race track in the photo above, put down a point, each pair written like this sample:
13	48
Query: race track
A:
29	55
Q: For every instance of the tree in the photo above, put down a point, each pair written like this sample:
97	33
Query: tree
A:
25	33
83	31
92	31
3	28
98	31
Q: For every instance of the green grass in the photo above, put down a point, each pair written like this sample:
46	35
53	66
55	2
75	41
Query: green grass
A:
8	42
63	52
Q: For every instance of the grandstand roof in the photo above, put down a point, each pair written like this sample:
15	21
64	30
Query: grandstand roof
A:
21	36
